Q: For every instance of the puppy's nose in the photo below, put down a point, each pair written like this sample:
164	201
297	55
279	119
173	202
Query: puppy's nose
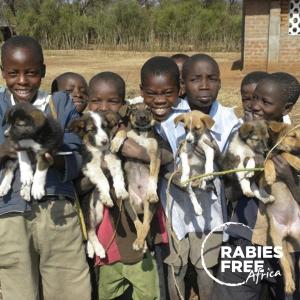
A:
104	142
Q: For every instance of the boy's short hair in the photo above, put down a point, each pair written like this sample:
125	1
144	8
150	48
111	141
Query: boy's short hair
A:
113	78
160	65
20	41
55	82
196	58
179	56
253	77
288	84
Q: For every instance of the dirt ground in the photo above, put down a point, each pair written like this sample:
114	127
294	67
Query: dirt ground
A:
128	65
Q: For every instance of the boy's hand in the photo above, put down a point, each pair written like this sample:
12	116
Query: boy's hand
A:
8	150
283	170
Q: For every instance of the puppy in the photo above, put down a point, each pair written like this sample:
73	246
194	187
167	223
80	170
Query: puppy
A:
249	141
288	146
31	130
141	177
193	162
92	128
284	212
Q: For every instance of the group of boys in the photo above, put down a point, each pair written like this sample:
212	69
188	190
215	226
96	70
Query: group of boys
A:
42	255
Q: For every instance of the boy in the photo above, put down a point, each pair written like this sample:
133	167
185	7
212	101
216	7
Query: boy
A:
123	268
180	59
248	86
160	86
75	85
40	237
273	98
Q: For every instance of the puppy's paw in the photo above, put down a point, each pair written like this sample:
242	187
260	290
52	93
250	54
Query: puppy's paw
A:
117	142
4	189
138	244
37	191
290	287
90	250
249	174
152	198
25	192
198	210
99	250
107	201
267	199
183	180
27	178
122	194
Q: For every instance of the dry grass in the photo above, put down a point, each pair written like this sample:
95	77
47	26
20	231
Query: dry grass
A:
128	65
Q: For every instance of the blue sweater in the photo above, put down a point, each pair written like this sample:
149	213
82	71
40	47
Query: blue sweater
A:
57	184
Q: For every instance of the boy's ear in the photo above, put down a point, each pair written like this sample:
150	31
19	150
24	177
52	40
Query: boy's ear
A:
276	126
245	130
123	110
43	70
287	108
208	122
142	91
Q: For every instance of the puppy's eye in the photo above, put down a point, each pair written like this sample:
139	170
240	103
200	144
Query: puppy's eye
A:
20	123
91	128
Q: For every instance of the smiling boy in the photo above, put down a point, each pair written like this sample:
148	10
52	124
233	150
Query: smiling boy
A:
39	237
75	85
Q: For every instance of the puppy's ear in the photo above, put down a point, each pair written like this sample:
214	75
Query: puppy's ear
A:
276	126
38	117
208	122
181	118
123	111
111	118
245	130
77	126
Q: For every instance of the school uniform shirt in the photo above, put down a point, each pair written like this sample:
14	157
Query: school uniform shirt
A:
57	184
178	207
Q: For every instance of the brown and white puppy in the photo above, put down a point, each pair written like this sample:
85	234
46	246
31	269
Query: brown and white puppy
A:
284	212
141	177
195	162
31	130
92	127
249	141
288	139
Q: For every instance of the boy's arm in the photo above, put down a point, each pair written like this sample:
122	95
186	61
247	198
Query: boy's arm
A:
285	173
68	165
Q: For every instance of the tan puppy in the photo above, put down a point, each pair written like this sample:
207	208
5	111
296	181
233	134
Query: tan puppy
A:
195	162
141	177
288	144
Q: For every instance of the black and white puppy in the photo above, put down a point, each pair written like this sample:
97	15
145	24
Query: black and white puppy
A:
32	130
92	127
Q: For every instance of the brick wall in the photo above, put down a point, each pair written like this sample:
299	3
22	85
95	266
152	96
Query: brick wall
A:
256	34
256	37
289	55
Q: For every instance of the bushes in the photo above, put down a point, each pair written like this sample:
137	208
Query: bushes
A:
177	25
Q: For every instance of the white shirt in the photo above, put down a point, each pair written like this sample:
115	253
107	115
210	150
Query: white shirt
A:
181	212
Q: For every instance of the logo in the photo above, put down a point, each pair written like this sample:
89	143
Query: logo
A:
249	259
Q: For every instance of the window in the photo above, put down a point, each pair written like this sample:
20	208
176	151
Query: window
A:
294	17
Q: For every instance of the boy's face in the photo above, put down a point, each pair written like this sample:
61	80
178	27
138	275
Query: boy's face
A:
22	72
103	96
202	85
77	88
247	93
160	93
267	102
179	63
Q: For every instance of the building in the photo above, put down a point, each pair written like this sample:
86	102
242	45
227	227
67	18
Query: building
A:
271	39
